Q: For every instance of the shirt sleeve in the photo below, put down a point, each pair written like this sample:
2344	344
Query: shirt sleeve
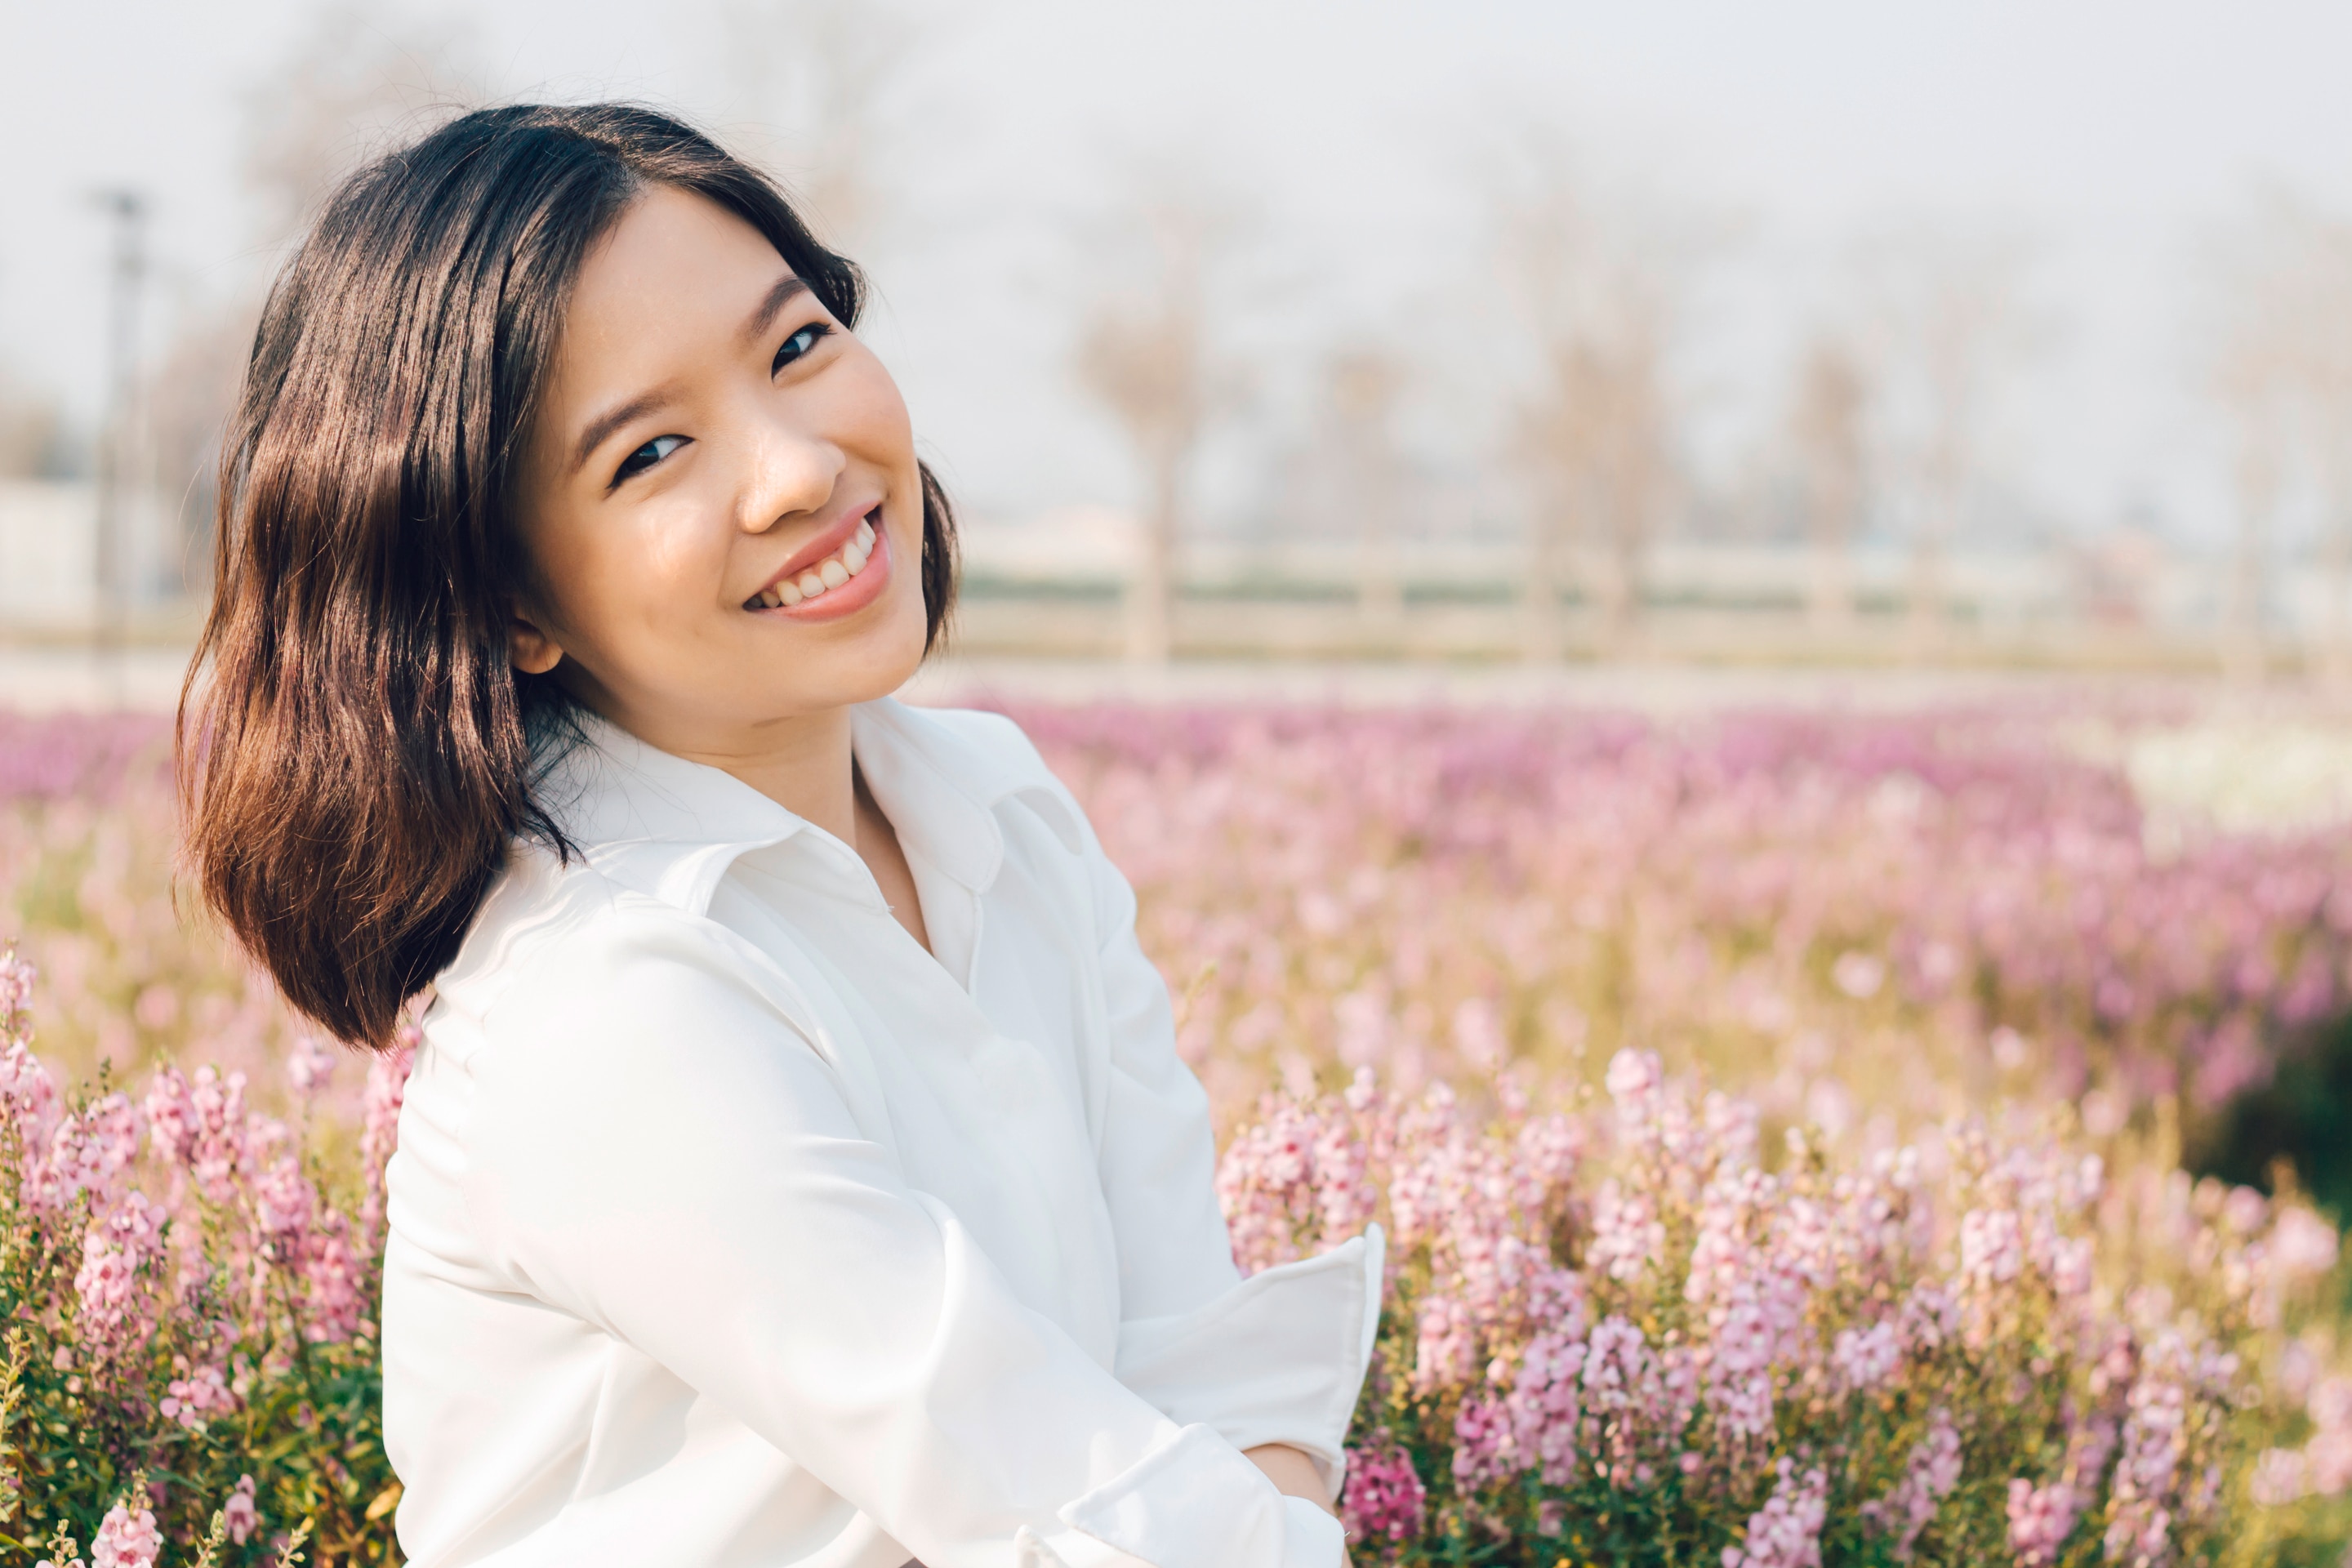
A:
656	1149
1277	1358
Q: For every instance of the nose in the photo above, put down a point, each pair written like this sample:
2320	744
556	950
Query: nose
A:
792	474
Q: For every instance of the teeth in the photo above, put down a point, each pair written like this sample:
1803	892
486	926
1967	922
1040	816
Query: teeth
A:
843	564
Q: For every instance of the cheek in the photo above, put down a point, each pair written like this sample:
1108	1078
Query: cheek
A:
620	574
872	415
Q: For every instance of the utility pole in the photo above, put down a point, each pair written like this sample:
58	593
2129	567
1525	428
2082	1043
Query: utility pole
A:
128	208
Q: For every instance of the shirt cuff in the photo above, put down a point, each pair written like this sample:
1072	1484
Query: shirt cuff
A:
1279	1358
1192	1503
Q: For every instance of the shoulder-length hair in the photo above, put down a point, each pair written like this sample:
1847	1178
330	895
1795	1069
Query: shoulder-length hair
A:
356	751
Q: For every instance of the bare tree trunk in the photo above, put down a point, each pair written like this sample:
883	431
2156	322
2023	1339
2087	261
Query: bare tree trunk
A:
1928	609
2334	665
1379	595
1829	585
1144	354
1150	607
1832	397
1617	583
1549	529
1362	387
2244	656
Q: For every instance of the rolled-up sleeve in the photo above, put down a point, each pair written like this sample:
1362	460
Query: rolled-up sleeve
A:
662	1154
1276	1358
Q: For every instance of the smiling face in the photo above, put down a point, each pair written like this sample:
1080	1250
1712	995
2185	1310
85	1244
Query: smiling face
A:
719	494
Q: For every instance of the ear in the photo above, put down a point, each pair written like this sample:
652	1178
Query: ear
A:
529	649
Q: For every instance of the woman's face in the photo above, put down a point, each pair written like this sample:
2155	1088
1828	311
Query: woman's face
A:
719	492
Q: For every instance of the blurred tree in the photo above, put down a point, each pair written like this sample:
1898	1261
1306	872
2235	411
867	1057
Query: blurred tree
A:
2280	372
1826	431
33	441
1144	354
2251	384
355	83
358	80
1361	387
2284	375
1599	289
1949	331
827	84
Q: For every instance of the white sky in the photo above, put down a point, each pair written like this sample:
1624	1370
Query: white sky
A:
2102	137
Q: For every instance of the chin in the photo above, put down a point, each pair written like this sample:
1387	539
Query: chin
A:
877	664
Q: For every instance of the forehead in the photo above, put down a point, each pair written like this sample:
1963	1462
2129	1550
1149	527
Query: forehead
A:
675	270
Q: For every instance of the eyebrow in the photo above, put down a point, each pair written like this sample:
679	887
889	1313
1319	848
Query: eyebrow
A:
600	429
756	324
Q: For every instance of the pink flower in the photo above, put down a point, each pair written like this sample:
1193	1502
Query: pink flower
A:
1447	1346
239	1512
1626	1235
16	978
127	1537
1384	1500
283	1198
1992	1249
29	1097
202	1125
1929	1477
1634	1081
1864	1358
2280	1478
308	1065
333	1300
2039	1520
1859	975
2329	1452
1544	1407
2303	1245
1482	1442
194	1399
89	1152
116	1253
1786	1533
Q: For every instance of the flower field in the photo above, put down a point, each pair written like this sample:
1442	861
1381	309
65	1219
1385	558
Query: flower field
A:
1789	1131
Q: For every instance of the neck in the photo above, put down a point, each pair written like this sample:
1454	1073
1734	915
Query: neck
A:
803	764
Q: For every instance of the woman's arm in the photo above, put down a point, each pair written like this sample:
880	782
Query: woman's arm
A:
1294	1475
656	1152
1275	1363
1292	1472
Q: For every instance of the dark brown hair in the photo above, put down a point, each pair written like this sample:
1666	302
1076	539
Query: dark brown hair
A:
357	754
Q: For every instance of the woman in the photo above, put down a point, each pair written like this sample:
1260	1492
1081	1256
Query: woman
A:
796	1166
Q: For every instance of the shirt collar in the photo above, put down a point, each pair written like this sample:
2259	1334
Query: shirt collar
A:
670	827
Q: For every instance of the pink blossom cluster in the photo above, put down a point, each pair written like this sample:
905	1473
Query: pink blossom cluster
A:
200	1263
1786	1533
1930	899
1633	1314
1383	1501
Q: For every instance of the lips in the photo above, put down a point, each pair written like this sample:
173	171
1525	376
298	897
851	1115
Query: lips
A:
829	561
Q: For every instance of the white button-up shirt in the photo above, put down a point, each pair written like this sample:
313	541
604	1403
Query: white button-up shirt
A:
729	1226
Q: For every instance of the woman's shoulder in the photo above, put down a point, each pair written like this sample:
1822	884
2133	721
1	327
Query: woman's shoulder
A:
995	759
560	921
994	735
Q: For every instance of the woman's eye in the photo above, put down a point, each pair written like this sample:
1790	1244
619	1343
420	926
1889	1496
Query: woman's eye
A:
646	456
799	343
